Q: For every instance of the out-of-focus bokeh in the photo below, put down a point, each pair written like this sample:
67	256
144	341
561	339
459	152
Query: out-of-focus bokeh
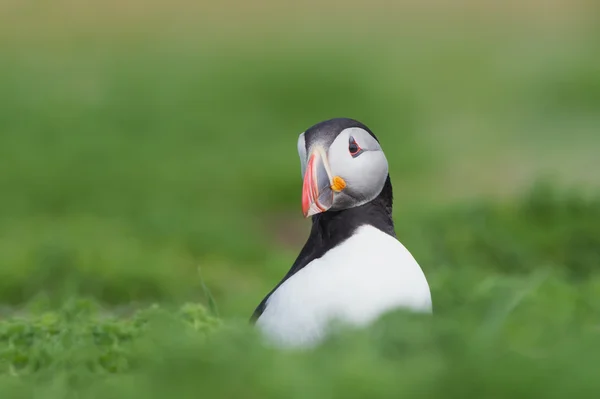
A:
142	140
147	147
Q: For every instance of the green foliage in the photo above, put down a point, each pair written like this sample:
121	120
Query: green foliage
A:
532	337
81	336
547	228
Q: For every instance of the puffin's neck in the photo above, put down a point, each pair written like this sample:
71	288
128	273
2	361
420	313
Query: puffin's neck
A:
332	227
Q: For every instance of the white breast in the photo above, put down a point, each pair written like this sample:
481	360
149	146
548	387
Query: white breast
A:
354	283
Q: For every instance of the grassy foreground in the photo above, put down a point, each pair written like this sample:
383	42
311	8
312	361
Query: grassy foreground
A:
509	347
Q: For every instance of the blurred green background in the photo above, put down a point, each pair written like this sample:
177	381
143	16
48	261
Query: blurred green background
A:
146	144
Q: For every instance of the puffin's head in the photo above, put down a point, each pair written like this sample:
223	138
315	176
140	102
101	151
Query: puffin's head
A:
343	166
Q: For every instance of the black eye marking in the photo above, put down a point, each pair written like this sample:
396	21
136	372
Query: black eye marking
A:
354	148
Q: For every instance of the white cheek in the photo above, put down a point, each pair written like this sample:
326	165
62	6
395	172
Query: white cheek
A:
344	165
340	159
365	175
368	173
378	172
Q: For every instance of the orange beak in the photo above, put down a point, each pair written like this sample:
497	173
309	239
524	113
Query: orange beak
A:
319	186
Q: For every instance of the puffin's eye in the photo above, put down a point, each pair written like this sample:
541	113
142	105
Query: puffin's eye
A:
354	148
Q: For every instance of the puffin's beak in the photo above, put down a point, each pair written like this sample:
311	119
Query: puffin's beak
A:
319	185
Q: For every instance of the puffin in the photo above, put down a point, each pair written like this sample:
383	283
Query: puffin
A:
352	268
